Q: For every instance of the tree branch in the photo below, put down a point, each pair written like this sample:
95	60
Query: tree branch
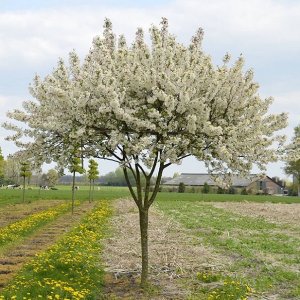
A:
157	184
106	158
136	200
138	184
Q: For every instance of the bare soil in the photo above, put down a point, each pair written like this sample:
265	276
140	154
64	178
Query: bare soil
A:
174	255
14	212
287	214
16	256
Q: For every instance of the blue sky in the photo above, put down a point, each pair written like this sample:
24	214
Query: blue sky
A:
34	34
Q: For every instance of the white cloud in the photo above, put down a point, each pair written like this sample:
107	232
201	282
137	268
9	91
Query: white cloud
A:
2	101
40	35
36	35
268	20
288	102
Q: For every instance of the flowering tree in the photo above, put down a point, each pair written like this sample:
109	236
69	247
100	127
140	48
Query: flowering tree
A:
147	107
293	158
52	177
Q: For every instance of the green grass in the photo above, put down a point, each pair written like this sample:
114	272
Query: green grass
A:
63	193
248	241
109	193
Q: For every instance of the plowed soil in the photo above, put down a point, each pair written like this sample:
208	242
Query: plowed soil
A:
16	256
14	212
275	213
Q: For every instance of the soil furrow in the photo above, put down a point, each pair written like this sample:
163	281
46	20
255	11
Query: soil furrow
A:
15	212
14	258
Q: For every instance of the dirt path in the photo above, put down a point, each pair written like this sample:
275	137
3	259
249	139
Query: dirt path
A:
175	255
14	212
15	258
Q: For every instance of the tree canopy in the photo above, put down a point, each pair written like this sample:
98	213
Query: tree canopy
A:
150	104
93	172
52	177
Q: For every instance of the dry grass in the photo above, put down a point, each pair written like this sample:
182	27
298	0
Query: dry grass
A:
174	254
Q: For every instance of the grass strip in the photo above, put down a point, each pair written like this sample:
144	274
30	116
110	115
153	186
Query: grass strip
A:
24	227
70	269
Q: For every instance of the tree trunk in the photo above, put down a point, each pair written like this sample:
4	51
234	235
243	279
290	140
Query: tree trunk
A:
298	189
143	214
73	192
93	189
23	194
90	192
143	205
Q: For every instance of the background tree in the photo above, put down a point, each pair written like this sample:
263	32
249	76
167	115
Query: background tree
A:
206	188
75	167
52	177
293	158
12	170
176	174
93	174
147	107
117	178
24	173
181	187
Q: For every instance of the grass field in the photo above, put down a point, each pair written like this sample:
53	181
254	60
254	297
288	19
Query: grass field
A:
63	192
264	256
8	196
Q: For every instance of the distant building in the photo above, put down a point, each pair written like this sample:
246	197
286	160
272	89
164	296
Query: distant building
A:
253	183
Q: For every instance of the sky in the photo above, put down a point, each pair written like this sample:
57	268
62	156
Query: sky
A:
34	34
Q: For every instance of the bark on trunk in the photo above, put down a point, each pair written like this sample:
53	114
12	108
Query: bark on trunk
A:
143	204
93	190
143	214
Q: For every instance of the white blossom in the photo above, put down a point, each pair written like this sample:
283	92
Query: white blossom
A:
158	103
